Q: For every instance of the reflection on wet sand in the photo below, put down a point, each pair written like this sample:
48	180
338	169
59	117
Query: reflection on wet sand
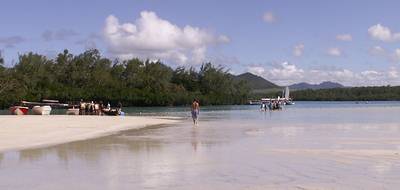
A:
92	150
31	155
228	150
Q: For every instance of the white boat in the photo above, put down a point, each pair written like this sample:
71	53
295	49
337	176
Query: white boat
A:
288	100
41	110
73	111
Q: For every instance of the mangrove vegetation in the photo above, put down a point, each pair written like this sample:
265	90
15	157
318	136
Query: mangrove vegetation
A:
134	82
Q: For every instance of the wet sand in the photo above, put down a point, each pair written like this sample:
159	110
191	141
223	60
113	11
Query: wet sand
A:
23	132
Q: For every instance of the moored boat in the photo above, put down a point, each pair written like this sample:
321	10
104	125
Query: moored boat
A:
287	99
41	110
19	110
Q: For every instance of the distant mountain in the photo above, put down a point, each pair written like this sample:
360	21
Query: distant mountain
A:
255	82
323	85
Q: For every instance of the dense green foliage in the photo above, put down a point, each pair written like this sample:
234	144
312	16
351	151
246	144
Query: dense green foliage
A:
134	82
339	94
347	94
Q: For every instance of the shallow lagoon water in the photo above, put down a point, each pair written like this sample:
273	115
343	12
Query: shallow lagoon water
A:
311	145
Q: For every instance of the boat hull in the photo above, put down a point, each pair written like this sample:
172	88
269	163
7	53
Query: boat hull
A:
19	110
41	110
73	111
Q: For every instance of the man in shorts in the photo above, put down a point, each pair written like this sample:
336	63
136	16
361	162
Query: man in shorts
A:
195	111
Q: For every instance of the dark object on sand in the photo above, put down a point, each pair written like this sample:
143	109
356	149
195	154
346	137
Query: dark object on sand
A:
113	112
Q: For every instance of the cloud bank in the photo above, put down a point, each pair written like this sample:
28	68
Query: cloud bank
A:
151	37
286	73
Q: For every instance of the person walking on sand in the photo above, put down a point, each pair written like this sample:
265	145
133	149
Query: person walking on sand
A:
195	111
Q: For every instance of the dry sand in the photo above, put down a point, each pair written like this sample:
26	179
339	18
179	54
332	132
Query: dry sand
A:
28	131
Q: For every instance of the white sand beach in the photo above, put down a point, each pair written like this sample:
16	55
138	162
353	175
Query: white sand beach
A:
29	131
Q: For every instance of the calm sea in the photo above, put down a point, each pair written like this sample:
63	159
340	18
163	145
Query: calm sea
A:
310	145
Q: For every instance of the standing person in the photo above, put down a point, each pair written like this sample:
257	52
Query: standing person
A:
120	105
82	107
101	108
91	108
195	111
119	108
96	109
87	105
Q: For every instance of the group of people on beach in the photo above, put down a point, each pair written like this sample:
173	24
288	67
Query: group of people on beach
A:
272	105
98	108
95	108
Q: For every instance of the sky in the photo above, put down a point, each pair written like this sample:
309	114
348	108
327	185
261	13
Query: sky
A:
355	43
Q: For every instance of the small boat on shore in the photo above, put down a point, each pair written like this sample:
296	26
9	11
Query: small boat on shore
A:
72	111
41	110
19	110
52	103
255	102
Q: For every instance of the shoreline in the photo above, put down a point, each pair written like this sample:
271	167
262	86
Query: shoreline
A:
30	131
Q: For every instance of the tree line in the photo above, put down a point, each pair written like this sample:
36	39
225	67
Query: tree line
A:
134	82
376	93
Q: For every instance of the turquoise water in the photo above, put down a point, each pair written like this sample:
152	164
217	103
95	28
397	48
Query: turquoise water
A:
310	145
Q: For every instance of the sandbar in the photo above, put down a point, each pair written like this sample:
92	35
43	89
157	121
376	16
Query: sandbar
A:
30	131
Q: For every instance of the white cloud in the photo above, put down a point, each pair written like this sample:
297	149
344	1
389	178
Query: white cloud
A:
342	75
344	37
380	32
12	41
269	17
284	73
286	70
381	52
151	37
61	34
370	74
393	73
224	39
377	50
334	52
298	50
351	78
396	55
328	74
257	70
232	72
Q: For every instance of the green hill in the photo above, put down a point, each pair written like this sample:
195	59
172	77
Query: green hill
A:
255	82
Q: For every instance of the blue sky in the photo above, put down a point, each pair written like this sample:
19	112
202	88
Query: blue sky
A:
352	42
